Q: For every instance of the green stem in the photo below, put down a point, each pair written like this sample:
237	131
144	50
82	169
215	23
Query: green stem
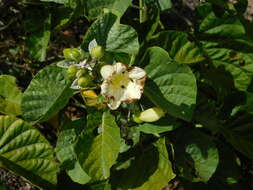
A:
141	11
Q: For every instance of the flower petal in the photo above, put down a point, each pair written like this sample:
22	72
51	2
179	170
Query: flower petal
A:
113	95
136	73
133	92
106	71
92	44
119	68
85	64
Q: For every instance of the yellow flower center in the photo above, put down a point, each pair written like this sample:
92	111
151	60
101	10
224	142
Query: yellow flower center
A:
120	81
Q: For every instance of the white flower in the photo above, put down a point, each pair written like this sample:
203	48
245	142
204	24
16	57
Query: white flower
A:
122	83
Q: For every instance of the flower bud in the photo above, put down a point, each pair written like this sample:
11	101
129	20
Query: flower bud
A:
97	52
72	70
84	81
151	114
91	99
73	54
106	71
136	119
81	73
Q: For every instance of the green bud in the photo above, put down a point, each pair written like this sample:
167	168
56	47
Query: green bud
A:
97	52
151	114
81	72
73	54
72	70
136	119
84	81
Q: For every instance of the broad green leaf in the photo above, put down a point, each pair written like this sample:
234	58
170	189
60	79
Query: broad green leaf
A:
232	64
65	151
10	96
227	26
26	152
179	47
240	76
98	154
150	170
48	92
224	39
112	35
238	132
173	86
95	7
38	25
154	55
163	173
196	155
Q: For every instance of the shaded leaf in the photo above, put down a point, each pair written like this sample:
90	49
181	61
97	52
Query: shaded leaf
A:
179	47
151	169
196	155
10	96
98	154
95	7
115	37
38	24
238	132
65	151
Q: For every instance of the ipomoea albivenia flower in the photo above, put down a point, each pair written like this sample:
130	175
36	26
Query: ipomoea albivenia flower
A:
122	83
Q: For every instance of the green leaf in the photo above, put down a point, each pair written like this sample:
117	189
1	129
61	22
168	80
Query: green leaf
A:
101	186
239	133
98	154
226	26
165	4
38	24
48	92
163	125
115	37
173	86
240	76
150	170
195	154
65	151
249	103
10	96
179	47
154	55
26	152
95	7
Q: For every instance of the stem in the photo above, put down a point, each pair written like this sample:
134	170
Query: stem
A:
141	11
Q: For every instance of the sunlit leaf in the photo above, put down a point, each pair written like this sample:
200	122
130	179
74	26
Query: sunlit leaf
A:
26	152
48	92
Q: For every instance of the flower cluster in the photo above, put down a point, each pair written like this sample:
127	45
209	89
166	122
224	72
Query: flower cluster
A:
120	82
